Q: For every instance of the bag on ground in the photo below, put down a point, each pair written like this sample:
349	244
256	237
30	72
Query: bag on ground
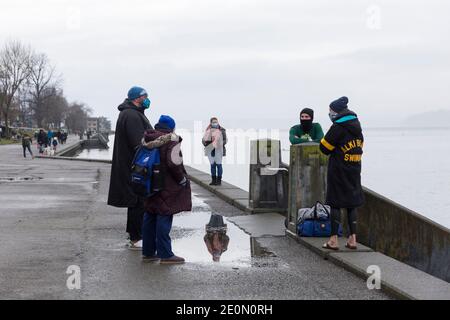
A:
315	221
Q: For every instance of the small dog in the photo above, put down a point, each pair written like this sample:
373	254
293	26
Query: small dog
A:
49	152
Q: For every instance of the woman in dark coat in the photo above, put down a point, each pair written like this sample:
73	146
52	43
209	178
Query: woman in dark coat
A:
174	198
344	143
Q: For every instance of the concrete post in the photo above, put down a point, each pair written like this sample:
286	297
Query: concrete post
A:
307	179
268	176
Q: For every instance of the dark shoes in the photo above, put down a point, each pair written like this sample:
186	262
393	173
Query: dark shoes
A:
216	181
172	260
150	259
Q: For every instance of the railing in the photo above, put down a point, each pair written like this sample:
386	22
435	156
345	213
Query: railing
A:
103	139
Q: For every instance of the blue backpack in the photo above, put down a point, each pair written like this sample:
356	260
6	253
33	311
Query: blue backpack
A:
146	177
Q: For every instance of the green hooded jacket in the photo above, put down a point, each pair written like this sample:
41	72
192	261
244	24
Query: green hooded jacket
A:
297	136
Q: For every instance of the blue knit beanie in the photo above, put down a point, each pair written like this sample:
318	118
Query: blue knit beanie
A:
339	105
165	122
136	92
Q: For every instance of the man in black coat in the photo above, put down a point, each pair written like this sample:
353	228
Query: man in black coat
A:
130	128
42	140
344	144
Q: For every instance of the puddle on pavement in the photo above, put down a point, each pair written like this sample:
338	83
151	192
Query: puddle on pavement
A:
19	179
221	242
188	240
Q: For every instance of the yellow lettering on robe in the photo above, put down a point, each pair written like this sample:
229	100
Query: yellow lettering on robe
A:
352	157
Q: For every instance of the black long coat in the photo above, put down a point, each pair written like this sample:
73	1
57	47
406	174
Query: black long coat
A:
174	198
42	138
130	129
344	143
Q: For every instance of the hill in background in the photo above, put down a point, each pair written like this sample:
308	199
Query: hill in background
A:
438	118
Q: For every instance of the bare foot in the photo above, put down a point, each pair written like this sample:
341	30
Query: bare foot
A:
352	240
331	246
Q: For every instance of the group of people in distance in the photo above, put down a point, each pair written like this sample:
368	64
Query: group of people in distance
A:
149	220
47	142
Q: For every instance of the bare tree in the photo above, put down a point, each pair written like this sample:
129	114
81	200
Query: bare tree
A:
23	100
77	114
43	83
14	71
55	106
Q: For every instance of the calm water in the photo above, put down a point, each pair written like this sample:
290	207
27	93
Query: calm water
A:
407	165
103	154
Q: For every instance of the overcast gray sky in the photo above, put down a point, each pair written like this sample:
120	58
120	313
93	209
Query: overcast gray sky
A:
255	59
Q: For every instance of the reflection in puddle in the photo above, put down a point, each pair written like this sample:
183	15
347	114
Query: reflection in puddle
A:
216	238
206	238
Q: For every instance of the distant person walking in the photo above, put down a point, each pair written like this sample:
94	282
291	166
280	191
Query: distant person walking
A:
344	143
307	130
55	144
130	129
63	137
174	198
215	140
26	145
50	136
42	140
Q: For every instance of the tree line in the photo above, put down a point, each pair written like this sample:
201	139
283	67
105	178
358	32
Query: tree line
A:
31	93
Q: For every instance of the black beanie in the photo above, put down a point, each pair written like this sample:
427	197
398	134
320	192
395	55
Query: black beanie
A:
309	112
339	105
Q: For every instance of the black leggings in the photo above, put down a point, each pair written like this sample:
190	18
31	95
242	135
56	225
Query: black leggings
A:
25	149
336	220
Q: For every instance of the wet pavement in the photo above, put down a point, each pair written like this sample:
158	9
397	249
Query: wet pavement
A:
60	219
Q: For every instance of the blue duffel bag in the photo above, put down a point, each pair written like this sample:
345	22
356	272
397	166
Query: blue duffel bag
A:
316	224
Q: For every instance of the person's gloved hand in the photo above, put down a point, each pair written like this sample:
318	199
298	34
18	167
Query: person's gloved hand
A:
306	137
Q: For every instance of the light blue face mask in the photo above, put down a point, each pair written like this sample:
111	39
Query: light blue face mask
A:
332	116
146	103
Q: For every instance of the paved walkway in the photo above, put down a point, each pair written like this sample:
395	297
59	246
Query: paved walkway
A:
61	219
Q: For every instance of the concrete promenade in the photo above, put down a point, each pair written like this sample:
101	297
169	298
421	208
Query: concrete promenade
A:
57	216
397	278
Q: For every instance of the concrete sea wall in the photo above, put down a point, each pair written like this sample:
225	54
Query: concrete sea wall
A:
383	225
405	235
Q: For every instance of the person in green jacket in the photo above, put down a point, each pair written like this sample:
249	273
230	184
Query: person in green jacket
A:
26	144
306	131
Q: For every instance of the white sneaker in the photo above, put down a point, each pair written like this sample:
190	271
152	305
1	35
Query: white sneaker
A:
137	246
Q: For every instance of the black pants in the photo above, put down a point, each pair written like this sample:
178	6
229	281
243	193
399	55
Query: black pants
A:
135	217
336	220
25	149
